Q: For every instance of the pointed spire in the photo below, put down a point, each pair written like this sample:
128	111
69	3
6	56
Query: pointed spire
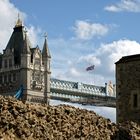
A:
18	22
45	51
26	48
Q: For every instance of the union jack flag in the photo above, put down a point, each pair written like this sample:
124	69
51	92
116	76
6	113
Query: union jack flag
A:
90	68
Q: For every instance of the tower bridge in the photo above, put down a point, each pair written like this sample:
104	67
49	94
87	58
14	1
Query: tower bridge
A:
26	65
82	93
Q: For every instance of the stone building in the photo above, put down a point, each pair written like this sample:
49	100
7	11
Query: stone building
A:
20	64
128	88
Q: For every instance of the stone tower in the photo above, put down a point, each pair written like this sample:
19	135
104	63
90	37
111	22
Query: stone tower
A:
128	88
20	64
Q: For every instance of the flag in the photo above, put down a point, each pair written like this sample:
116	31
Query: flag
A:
90	68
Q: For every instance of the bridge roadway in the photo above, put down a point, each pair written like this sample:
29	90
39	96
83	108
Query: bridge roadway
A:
82	93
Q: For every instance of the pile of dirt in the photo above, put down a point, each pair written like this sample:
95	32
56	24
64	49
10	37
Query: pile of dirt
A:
128	131
63	122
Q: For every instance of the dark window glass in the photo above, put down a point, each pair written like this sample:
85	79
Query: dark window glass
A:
135	100
31	58
17	58
0	79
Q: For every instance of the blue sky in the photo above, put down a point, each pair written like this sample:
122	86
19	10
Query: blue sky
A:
80	33
57	17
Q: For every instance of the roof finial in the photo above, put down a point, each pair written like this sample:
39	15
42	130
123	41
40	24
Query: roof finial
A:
19	22
25	30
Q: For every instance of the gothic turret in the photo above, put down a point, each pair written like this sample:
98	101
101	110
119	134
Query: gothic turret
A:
46	58
45	51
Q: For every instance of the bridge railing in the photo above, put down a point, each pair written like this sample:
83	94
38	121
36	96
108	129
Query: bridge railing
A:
79	87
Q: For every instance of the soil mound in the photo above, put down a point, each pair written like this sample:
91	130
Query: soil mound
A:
40	122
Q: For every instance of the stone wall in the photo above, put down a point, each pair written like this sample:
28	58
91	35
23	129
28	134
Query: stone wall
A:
128	89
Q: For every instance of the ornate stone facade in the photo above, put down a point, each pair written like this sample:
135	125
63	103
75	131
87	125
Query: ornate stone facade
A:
128	88
22	65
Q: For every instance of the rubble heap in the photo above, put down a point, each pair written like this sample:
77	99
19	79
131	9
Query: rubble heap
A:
63	122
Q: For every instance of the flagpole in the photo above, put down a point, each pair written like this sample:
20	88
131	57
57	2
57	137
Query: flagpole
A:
93	78
90	69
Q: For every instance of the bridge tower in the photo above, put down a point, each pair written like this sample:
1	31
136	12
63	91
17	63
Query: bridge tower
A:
128	89
22	64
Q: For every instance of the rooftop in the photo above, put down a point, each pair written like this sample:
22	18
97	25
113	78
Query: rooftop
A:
129	58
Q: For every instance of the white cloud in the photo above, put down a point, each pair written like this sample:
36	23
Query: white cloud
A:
110	53
125	5
74	72
85	30
34	33
8	17
90	60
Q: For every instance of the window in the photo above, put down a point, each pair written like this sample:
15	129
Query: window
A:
135	100
0	79
5	78
17	58
9	78
5	63
10	63
37	61
31	58
14	77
